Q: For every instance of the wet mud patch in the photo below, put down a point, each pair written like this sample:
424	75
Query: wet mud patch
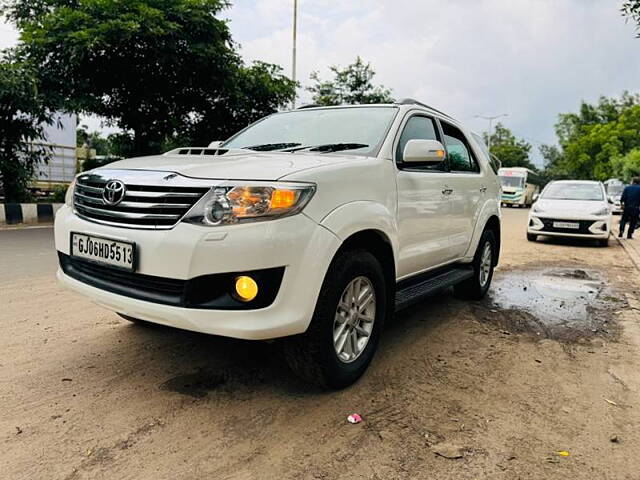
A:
567	304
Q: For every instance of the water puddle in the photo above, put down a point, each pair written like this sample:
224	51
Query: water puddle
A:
562	303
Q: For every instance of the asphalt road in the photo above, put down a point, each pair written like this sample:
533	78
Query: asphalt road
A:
85	394
26	252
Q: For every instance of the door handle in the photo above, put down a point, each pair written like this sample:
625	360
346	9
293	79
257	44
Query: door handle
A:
483	189
447	191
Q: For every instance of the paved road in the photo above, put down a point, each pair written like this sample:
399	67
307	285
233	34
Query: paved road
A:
84	394
26	252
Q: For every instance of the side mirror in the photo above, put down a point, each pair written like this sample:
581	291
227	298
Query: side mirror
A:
216	144
535	197
423	151
610	200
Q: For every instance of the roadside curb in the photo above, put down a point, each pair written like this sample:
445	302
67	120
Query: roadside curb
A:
633	254
27	213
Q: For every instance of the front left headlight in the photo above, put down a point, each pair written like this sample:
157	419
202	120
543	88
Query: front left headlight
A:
600	212
240	202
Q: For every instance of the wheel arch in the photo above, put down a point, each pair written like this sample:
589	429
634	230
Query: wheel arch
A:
493	224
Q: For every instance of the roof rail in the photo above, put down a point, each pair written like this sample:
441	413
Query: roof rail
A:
411	101
309	105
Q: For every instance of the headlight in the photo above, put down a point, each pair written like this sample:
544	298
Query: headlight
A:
235	202
68	197
602	211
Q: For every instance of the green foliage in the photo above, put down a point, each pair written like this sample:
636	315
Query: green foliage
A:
22	116
599	133
628	166
631	10
511	151
156	68
350	85
59	192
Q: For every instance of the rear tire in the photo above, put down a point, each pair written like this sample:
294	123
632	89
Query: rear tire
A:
483	264
316	355
532	237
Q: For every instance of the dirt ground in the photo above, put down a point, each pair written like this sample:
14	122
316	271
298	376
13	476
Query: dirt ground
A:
506	386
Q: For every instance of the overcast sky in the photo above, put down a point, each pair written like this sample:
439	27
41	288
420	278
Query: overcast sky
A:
531	59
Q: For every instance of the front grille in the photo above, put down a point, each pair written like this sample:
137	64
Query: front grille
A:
143	205
584	226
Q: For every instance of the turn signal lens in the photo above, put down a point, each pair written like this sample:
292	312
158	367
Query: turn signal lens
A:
246	288
283	198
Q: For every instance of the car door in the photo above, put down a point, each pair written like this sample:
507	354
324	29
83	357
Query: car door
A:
468	185
423	203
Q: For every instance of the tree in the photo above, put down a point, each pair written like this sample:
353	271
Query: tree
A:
631	10
154	68
511	151
350	85
23	115
627	166
590	147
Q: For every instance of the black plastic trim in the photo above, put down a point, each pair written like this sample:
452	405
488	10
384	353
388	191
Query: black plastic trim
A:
214	292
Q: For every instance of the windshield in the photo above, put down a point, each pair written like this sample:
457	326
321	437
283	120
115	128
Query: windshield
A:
573	191
359	130
513	182
615	189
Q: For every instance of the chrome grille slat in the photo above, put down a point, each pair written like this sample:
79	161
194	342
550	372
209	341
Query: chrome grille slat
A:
89	188
152	200
134	193
128	215
124	204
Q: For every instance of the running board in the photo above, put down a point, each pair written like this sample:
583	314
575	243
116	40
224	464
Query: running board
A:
412	291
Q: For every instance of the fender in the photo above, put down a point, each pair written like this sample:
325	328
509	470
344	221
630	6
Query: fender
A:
489	209
354	217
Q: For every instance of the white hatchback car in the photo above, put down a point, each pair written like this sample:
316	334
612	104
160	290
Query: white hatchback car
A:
571	208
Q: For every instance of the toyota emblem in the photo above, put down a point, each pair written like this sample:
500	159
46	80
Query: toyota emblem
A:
113	192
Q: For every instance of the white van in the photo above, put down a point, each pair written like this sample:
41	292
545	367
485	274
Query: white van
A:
519	185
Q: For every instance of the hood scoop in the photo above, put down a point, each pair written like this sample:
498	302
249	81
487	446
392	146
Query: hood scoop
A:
194	151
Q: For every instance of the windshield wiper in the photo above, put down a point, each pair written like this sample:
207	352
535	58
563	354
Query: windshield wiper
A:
329	147
266	147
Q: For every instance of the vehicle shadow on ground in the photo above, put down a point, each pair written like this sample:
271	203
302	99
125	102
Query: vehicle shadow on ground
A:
198	365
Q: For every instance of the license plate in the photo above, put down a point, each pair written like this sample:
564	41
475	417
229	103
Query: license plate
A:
572	225
107	251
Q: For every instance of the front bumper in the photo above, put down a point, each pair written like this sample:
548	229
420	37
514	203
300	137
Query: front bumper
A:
296	243
595	227
512	198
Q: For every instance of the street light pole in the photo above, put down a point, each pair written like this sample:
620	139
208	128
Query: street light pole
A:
293	53
491	119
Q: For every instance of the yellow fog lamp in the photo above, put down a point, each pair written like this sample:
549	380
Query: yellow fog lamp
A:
246	288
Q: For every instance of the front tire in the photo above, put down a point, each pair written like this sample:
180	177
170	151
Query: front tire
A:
532	237
483	264
604	242
343	335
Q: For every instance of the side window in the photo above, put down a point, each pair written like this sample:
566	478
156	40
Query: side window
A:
418	128
460	156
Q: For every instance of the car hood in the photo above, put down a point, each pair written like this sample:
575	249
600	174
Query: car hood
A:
234	166
571	207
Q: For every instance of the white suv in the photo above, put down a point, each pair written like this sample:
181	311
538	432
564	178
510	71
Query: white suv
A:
314	225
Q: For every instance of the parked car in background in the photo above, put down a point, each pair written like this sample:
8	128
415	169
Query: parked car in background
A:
519	186
614	188
571	208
